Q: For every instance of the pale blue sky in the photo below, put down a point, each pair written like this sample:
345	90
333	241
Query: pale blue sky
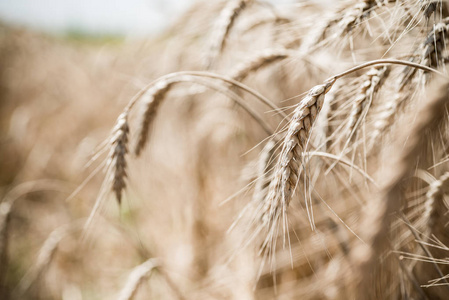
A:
130	17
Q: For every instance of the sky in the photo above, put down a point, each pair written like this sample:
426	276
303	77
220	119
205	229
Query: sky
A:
125	17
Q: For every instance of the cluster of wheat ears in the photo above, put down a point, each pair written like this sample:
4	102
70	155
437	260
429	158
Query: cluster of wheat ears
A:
347	198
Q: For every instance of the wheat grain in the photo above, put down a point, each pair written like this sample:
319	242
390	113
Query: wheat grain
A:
151	102
116	163
434	205
371	82
264	169
287	168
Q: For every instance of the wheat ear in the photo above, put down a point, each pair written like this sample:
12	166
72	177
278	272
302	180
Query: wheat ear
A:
260	60
156	96
287	169
222	28
151	102
116	162
44	259
264	169
371	82
434	205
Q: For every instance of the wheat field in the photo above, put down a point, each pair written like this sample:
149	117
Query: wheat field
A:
250	151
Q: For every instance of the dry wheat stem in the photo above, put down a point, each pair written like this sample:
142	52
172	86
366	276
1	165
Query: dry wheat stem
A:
386	62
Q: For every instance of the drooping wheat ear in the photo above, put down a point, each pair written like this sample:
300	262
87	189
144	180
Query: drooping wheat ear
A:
371	82
377	218
431	53
354	15
260	20
260	60
44	259
116	163
434	205
150	103
222	28
344	18
287	169
155	95
428	7
432	50
136	278
434	47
